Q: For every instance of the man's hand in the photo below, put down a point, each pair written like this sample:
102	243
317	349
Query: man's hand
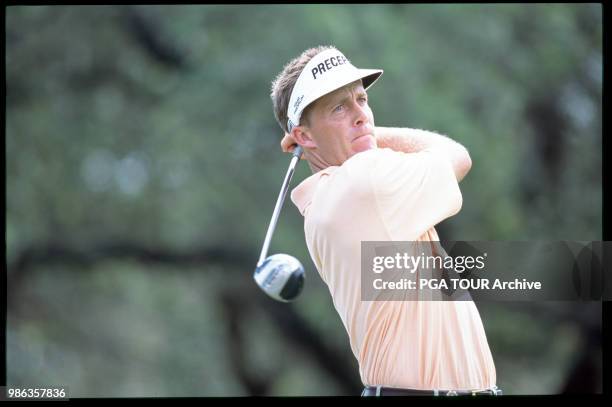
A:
288	143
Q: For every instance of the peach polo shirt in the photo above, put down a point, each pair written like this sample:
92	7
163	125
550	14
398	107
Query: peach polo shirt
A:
384	195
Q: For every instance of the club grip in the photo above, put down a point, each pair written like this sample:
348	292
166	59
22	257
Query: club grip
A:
297	151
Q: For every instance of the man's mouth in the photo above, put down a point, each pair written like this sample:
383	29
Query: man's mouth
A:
363	135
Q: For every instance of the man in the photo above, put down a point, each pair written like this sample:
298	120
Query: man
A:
379	184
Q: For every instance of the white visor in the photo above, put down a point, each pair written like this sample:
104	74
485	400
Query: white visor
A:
325	72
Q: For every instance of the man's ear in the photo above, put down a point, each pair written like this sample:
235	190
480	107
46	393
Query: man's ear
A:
302	136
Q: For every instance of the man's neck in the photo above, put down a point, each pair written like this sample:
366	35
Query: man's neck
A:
315	162
315	168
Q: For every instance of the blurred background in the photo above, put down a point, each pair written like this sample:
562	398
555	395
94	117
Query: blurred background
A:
143	164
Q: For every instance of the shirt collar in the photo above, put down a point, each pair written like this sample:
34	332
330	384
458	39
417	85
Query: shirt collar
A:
302	194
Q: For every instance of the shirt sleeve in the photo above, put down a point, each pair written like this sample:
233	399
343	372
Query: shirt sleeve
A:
414	191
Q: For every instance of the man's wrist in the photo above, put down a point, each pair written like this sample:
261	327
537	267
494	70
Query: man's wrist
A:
404	139
408	140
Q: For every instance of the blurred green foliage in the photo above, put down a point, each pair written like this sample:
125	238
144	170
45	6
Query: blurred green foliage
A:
153	124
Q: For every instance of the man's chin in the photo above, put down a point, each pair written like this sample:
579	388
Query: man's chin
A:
363	143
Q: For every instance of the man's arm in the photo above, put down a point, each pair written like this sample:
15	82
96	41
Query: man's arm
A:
414	140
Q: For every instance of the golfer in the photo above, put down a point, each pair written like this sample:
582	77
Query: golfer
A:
379	184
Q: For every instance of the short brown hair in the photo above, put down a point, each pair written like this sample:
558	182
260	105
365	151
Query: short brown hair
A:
283	85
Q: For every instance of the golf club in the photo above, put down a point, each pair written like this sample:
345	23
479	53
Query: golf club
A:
281	276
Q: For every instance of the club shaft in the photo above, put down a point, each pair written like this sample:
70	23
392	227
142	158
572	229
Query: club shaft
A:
297	152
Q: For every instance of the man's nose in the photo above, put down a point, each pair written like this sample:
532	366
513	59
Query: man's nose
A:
361	115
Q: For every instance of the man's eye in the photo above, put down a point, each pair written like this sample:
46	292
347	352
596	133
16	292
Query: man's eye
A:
338	108
363	99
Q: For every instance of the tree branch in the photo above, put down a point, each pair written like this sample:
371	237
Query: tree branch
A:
297	331
88	255
147	35
234	315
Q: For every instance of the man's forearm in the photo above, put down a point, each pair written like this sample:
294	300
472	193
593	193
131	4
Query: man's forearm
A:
414	140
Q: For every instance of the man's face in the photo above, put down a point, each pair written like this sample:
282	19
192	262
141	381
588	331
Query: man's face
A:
341	124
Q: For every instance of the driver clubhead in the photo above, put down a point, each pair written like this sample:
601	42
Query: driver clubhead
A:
281	277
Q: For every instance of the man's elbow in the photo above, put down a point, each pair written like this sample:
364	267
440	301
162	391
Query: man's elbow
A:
463	164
